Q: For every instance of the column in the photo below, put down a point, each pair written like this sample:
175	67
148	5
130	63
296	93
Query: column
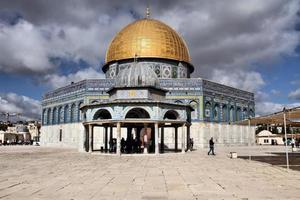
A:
111	133
110	137
85	139
176	139
188	137
146	139
129	139
156	139
162	143
105	138
24	136
91	138
119	138
182	139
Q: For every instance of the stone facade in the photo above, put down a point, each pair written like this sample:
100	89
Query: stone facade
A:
214	105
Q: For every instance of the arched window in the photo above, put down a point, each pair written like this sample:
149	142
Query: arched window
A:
216	112
231	114
94	101
60	115
251	113
79	117
245	113
66	114
49	116
137	113
171	114
224	113
44	117
207	111
54	116
194	113
238	114
73	113
178	101
102	114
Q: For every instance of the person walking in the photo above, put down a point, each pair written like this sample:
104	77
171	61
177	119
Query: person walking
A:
211	146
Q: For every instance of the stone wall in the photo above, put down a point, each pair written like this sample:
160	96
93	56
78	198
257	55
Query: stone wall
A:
71	136
224	135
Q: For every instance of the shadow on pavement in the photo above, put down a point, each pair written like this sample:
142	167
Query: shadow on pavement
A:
278	159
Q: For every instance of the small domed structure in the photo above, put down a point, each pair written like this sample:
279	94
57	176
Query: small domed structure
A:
137	75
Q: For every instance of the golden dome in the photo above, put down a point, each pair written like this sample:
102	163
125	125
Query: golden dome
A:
147	38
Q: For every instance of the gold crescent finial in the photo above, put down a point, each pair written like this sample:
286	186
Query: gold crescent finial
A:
147	12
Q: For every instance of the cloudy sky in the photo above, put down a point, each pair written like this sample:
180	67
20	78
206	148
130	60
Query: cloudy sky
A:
252	45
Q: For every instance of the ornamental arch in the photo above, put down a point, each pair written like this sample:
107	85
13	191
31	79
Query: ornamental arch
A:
216	112
231	114
66	114
54	116
60	118
207	110
73	113
171	114
48	116
245	113
194	114
224	113
79	116
137	113
238	114
44	117
102	114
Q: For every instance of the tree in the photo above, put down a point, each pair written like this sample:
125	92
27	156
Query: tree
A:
3	127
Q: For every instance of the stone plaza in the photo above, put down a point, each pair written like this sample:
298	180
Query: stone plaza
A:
60	173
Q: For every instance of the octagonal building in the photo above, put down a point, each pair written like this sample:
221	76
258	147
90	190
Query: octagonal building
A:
148	102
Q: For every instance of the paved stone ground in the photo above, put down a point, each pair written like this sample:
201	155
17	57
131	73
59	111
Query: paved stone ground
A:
49	173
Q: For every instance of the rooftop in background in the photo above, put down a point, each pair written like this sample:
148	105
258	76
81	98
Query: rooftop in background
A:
292	118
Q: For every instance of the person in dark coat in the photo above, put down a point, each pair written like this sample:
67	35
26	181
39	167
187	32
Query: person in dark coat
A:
123	145
211	146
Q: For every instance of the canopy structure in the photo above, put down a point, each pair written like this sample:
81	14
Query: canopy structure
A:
292	118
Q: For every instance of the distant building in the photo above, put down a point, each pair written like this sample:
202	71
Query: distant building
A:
34	130
15	134
268	138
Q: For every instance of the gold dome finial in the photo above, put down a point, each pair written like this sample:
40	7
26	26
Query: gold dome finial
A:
148	12
135	58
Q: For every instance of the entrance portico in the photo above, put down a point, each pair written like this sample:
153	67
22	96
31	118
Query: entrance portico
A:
137	104
152	129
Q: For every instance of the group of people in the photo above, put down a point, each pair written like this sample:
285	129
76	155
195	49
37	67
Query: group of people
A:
135	145
15	142
131	145
295	143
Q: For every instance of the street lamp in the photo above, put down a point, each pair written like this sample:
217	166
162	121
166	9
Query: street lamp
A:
286	148
249	130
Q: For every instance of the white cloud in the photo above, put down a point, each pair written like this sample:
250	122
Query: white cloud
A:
220	35
23	49
295	82
13	103
267	107
275	92
295	95
235	34
28	48
246	80
56	81
226	39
